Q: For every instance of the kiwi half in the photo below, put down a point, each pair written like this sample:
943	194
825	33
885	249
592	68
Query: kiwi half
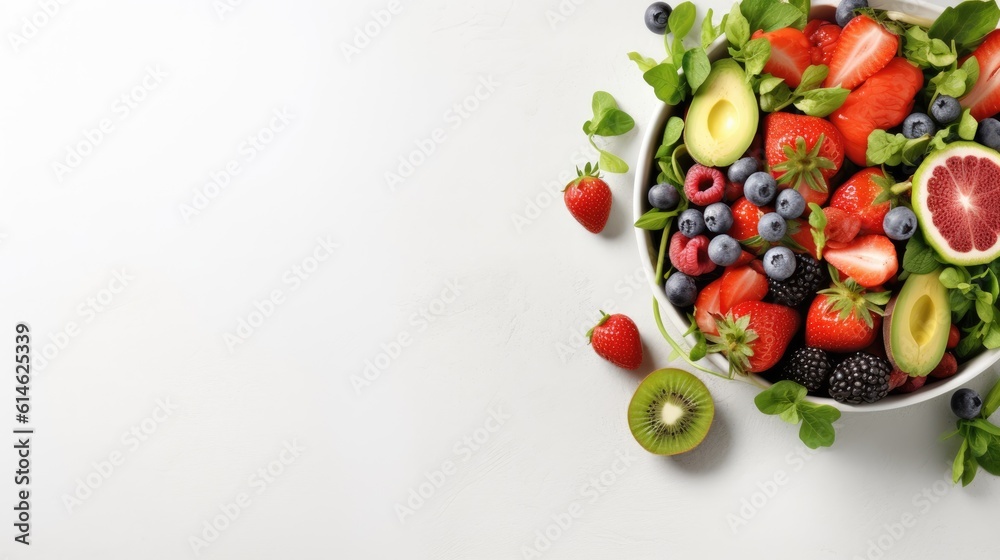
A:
670	412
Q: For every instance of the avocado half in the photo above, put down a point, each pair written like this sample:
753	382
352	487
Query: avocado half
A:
916	324
722	118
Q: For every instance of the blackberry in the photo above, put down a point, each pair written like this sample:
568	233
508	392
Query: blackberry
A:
860	378
808	278
809	367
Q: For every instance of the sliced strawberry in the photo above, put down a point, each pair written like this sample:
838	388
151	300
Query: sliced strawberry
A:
741	284
883	102
706	307
984	97
864	47
870	260
789	54
841	227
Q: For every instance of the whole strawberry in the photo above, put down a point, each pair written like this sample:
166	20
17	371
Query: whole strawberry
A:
803	153
616	339
846	317
867	195
588	199
754	335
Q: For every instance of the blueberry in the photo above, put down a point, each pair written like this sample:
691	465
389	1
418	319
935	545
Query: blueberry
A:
664	196
742	168
790	204
691	223
917	125
900	223
988	133
657	15
772	227
718	217
760	188
779	263
681	290
966	404
946	109
845	11
724	250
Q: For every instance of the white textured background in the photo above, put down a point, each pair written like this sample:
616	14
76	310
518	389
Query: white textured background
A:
519	293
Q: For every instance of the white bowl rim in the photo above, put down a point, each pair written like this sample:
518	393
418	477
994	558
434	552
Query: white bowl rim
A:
648	255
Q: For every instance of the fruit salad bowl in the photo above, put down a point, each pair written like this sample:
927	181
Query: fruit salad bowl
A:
646	172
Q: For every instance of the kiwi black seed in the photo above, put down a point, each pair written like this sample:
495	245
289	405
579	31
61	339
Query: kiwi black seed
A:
671	412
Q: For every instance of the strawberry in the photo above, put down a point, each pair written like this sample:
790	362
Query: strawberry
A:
841	227
866	195
984	97
884	101
864	47
588	199
754	335
707	306
803	153
845	318
745	259
745	218
616	339
741	284
953	337
789	54
800	237
870	259
912	384
823	37
897	379
947	367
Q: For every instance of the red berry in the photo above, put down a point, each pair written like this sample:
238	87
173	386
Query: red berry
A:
690	256
863	48
588	199
897	379
953	337
946	368
704	185
841	227
912	384
616	339
734	191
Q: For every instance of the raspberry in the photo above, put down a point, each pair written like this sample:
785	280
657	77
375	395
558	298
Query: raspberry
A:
841	227
690	256
946	368
704	185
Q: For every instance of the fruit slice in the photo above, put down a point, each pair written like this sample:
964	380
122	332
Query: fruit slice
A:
790	54
870	260
722	119
864	48
707	306
739	285
984	97
916	325
956	196
670	412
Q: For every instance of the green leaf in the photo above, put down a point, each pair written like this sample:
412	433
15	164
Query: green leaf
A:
644	63
737	27
990	461
967	126
969	472
805	8
992	401
754	56
948	82
769	15
817	219
655	220
967	23
984	308
919	257
985	426
817	425
601	103
700	349
673	131
914	150
776	96
885	148
709	31
978	442
614	122
812	77
958	466
780	397
696	67
951	278
682	19
666	84
822	102
612	163
991	339
971	67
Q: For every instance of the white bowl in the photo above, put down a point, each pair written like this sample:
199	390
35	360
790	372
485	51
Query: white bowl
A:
645	176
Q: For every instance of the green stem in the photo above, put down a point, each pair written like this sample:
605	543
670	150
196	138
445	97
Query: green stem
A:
661	259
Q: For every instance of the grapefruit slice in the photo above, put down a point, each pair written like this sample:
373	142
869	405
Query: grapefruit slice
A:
956	196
